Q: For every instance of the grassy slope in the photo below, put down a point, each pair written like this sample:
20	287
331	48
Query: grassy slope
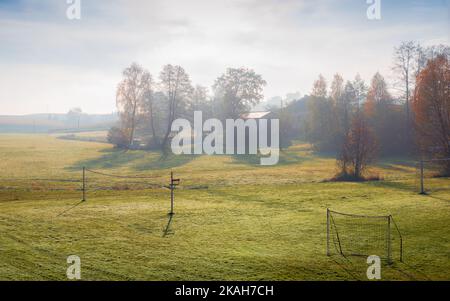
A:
233	220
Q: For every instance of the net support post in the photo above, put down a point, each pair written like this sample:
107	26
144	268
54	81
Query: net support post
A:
173	184
328	232
389	251
422	189
401	238
401	249
171	192
84	184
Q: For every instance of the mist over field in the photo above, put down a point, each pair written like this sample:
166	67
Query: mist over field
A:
242	140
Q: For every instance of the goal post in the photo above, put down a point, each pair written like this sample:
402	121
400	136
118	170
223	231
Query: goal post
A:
363	235
84	185
94	180
429	171
99	180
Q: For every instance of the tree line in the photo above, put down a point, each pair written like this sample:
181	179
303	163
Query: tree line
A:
359	122
147	107
349	118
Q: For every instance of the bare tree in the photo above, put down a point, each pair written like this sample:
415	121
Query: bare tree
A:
130	97
405	64
359	149
345	107
337	89
201	101
360	90
342	97
320	87
434	51
322	122
353	94
378	94
149	106
177	87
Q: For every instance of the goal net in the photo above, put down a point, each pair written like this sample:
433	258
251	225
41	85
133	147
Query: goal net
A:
362	235
431	177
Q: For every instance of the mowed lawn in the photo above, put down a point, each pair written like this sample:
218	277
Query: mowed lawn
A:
234	220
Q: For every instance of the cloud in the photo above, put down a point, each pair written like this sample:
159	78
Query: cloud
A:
28	88
289	42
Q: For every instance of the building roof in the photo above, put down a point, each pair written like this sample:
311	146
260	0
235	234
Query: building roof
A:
255	115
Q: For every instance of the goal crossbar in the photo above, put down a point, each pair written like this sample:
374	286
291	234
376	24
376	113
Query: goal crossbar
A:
362	235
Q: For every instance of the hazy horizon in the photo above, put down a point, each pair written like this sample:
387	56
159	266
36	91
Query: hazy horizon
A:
49	64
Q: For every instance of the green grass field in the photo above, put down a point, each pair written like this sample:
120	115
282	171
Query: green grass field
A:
235	220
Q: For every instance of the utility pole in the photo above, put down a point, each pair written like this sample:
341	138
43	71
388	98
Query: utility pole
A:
281	121
84	184
389	239
422	190
173	183
328	232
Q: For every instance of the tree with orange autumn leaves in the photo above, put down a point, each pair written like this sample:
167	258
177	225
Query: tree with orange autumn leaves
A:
431	107
385	118
339	122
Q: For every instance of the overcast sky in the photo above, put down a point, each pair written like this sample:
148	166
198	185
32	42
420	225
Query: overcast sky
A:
49	63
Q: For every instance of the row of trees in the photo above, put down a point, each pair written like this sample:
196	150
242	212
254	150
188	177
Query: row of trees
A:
148	107
358	121
354	120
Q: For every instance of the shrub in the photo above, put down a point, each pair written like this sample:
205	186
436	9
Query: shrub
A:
117	137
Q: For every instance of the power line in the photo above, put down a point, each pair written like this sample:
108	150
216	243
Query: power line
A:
119	176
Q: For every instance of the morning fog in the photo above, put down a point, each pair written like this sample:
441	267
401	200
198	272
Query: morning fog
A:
239	137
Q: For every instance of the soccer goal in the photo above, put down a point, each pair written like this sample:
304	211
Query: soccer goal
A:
93	180
363	235
430	176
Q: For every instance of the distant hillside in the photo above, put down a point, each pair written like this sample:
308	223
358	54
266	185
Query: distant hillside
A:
51	123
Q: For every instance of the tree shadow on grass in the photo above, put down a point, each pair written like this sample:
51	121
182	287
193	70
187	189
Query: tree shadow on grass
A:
141	160
410	187
164	162
405	273
437	198
286	158
324	154
70	208
112	158
353	269
347	266
395	167
397	163
408	271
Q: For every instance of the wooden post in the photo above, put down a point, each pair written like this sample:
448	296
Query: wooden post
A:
84	184
173	184
422	190
389	240
328	232
401	249
171	192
